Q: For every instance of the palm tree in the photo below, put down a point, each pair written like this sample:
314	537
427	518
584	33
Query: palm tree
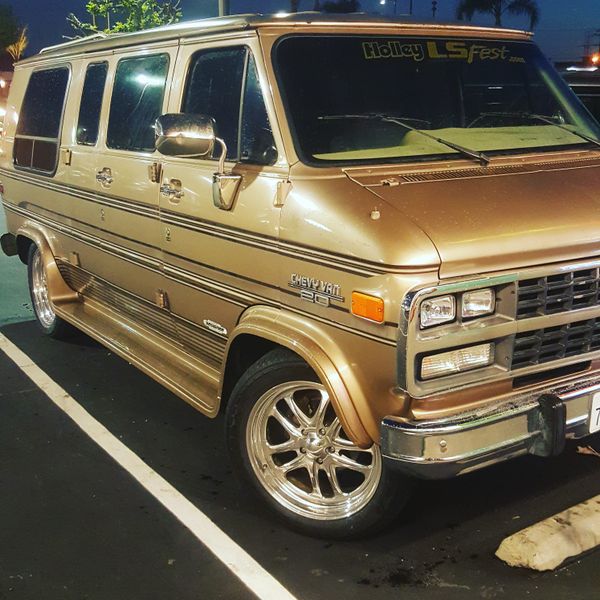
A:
497	8
17	48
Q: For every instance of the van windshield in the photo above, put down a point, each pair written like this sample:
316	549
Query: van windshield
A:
346	94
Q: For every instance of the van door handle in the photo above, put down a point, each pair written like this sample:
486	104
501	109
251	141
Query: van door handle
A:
172	190
104	176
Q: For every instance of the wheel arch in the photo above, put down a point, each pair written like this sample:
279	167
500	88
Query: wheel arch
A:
58	289
263	328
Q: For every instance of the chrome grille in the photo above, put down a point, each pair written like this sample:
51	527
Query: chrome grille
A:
553	343
558	293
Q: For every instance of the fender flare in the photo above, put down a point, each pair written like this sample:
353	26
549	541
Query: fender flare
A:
305	338
58	289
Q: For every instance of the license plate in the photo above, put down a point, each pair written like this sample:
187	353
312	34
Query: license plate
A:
595	413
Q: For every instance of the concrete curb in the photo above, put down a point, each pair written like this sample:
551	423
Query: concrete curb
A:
547	544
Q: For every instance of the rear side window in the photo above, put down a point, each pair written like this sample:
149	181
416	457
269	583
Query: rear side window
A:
91	104
136	102
223	84
38	131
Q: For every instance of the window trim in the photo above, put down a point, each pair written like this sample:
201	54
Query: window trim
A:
168	79
242	97
58	139
90	64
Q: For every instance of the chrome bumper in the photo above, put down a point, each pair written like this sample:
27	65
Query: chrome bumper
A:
536	423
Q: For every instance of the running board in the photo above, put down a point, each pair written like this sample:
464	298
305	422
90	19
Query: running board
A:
161	359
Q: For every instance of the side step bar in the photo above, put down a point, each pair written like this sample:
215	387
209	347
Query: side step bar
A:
164	361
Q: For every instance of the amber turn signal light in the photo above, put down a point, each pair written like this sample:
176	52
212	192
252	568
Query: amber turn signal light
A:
367	307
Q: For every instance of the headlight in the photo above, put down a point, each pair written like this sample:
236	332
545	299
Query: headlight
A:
438	310
478	303
457	361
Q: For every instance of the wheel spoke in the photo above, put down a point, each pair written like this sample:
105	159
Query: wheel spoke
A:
289	427
333	479
345	462
333	431
303	419
313	473
293	464
292	444
319	416
343	444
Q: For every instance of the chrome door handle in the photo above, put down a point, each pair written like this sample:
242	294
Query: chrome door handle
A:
172	190
104	177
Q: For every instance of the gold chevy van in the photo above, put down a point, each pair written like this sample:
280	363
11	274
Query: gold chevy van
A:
375	245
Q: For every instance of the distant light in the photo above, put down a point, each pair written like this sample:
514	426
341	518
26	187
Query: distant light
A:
382	2
586	69
281	14
596	58
2	83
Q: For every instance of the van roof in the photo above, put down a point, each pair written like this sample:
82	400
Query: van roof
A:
98	42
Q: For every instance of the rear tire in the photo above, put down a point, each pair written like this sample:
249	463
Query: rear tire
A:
288	446
47	320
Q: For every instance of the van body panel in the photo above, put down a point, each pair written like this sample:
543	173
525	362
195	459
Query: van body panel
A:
491	222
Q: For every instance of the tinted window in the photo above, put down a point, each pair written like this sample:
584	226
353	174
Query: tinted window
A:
91	104
36	139
258	146
136	102
374	99
214	89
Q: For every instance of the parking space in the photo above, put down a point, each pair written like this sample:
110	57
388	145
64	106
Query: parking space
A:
75	525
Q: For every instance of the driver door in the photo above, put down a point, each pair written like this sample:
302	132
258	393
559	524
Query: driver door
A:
211	253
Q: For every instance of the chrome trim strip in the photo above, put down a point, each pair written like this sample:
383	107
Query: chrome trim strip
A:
142	309
271	244
126	254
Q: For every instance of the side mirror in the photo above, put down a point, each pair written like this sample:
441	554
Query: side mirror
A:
179	134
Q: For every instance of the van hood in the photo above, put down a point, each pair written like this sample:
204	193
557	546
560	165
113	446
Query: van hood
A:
495	218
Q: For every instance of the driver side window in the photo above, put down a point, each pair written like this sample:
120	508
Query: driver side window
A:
223	84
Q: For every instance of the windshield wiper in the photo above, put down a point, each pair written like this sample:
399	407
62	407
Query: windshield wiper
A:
480	157
544	119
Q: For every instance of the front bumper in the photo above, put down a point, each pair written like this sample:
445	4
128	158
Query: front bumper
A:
531	423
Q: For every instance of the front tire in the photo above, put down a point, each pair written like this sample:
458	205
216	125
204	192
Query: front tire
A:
287	443
47	320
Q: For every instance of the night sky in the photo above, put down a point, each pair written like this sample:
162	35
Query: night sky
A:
560	33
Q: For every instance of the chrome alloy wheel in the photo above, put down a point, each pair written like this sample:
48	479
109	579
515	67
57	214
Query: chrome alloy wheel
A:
39	292
302	457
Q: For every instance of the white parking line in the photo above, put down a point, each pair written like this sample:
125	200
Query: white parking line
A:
241	564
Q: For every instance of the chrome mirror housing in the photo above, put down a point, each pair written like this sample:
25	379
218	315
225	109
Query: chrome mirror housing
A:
179	134
191	135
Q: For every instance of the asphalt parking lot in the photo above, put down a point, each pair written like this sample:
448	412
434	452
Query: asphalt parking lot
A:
74	524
